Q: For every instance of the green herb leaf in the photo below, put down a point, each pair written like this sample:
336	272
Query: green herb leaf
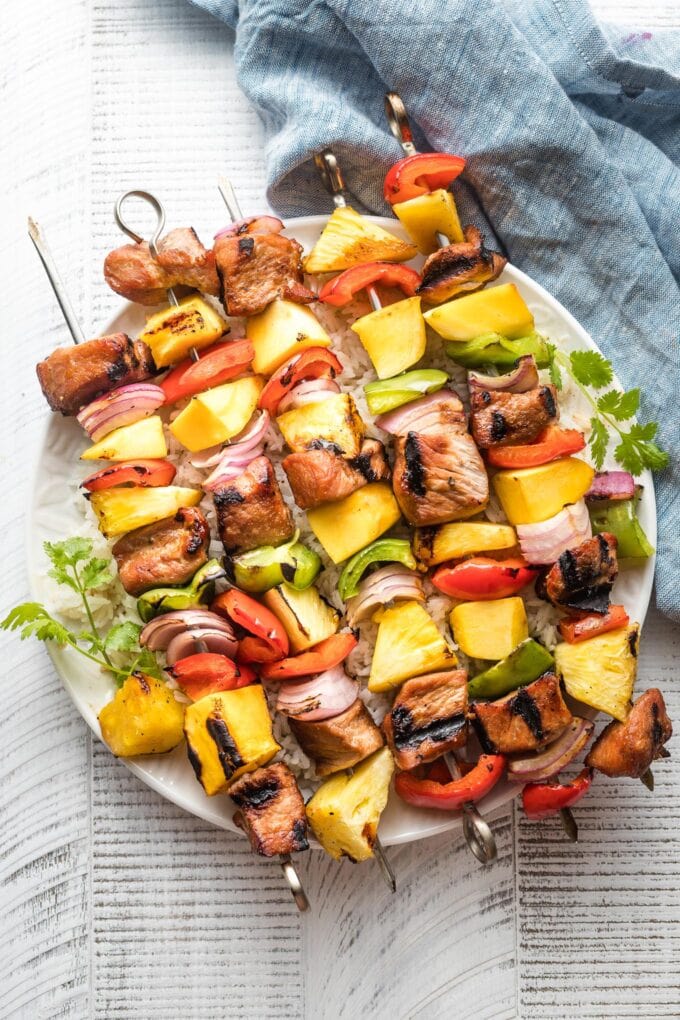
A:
146	662
637	451
95	574
33	620
599	440
590	368
69	552
620	406
554	368
123	637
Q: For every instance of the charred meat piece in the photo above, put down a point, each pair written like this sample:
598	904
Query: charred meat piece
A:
73	376
256	268
133	272
460	268
438	478
427	718
583	577
500	418
629	748
271	810
165	553
525	720
251	510
340	742
324	476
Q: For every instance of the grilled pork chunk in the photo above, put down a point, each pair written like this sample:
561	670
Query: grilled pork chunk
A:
341	742
133	272
251	510
257	265
524	720
438	478
71	377
324	476
165	553
427	718
271	810
583	577
629	748
510	418
460	268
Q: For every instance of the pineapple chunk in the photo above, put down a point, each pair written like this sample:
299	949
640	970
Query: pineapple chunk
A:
283	329
216	415
394	336
173	332
142	440
489	630
451	541
349	239
494	310
142	718
122	509
333	420
601	671
408	644
530	495
306	616
228	734
345	811
345	527
428	215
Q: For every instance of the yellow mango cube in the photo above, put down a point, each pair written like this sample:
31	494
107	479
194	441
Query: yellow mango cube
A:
428	215
489	630
394	336
283	329
172	332
345	527
494	310
217	415
408	644
452	541
142	718
530	495
142	440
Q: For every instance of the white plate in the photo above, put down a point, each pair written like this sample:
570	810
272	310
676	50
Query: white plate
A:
52	516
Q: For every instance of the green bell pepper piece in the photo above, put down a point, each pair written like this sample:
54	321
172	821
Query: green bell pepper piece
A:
621	521
385	550
261	569
198	591
524	664
494	349
385	394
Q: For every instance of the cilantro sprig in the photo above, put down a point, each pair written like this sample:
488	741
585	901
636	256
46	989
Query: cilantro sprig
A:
117	650
635	448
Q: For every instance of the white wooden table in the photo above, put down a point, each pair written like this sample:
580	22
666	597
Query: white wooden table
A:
113	902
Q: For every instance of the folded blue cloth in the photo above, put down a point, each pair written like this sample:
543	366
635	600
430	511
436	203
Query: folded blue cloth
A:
572	136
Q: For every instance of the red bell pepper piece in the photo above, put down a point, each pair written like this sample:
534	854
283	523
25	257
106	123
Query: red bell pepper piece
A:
317	659
419	174
216	365
541	800
266	639
453	795
314	363
587	625
207	673
146	473
343	288
552	444
481	578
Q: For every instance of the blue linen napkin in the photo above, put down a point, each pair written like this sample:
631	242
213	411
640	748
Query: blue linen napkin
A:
572	135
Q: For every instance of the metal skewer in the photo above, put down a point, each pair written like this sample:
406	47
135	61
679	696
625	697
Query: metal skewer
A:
477	831
37	236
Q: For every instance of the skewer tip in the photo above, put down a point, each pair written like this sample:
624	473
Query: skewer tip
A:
33	229
647	779
385	866
569	824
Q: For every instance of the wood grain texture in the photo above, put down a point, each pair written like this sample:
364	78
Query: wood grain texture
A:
114	903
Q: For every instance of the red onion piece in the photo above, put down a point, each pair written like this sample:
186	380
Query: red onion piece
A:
252	225
538	767
545	542
611	485
416	416
159	632
388	584
320	697
214	639
522	378
235	458
122	406
311	391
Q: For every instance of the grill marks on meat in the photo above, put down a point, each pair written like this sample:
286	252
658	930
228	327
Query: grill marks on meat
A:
133	272
164	553
341	742
324	476
524	720
629	748
438	478
73	376
251	510
427	718
271	810
583	577
459	268
500	418
256	268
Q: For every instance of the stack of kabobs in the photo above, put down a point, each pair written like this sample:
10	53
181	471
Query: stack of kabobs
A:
253	632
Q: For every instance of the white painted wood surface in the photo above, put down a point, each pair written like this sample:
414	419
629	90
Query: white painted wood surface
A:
115	904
